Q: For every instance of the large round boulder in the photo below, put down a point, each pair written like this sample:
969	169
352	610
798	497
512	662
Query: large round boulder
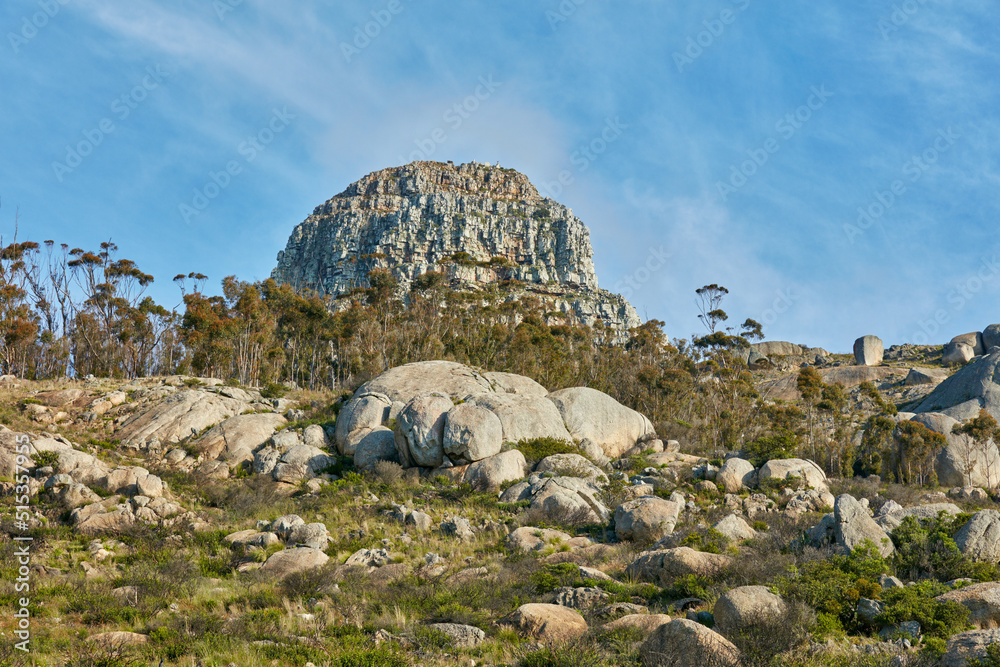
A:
979	538
957	354
973	340
646	519
235	439
868	351
366	410
746	605
853	526
664	566
982	601
378	444
548	623
684	643
289	561
735	475
178	417
404	383
991	337
491	473
420	431
962	462
974	387
592	414
964	648
806	472
471	433
524	417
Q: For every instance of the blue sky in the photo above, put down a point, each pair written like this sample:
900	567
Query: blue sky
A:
734	142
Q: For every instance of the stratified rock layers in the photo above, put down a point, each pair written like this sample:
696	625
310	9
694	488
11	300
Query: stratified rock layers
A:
477	224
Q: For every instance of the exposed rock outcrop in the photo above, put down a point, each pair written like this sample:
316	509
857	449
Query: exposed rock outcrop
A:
477	224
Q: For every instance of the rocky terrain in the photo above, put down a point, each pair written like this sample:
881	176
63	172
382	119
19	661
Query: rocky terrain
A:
443	514
717	503
480	225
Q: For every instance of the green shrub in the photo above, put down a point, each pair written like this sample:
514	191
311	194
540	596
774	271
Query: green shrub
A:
917	603
43	459
383	656
563	657
992	658
688	586
926	548
834	586
274	390
781	445
710	541
554	576
536	449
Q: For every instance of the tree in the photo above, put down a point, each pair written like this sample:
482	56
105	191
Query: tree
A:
875	441
810	385
110	319
913	458
984	432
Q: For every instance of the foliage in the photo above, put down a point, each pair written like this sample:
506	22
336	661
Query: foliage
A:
926	548
536	449
833	587
780	445
917	603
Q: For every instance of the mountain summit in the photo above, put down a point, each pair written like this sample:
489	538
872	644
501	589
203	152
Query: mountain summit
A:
478	224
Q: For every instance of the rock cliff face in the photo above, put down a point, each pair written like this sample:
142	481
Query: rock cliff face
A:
476	223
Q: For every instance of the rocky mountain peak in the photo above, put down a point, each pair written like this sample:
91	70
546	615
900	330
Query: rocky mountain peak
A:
479	224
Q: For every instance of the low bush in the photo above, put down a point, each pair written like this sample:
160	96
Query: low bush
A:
536	449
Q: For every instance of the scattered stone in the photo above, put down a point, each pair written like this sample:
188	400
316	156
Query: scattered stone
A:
314	535
807	473
645	623
462	636
735	528
572	465
646	519
579	598
664	566
548	623
289	561
963	648
458	527
919	376
684	643
745	605
853	525
736	474
529	538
